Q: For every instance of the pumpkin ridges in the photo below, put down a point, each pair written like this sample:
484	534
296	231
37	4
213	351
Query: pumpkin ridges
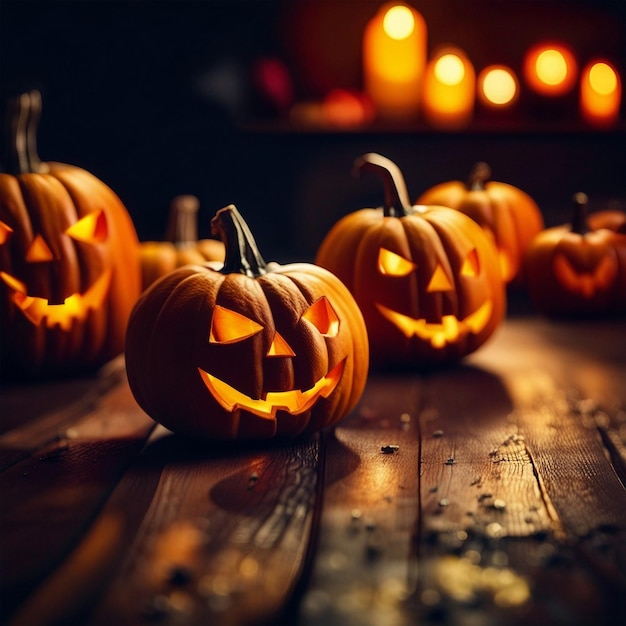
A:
356	368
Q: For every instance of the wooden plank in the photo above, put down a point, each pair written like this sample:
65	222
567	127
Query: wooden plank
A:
190	535
365	566
36	414
50	497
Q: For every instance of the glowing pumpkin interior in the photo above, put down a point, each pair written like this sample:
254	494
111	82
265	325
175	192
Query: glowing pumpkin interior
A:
228	327
585	281
91	229
450	329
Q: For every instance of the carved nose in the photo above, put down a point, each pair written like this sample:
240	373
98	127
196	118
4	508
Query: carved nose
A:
280	347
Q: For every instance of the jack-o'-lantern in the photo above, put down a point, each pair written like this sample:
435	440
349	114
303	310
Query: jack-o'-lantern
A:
69	260
252	350
578	269
509	216
426	277
181	245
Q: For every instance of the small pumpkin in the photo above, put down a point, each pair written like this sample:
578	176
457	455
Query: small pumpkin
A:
578	268
181	245
426	277
69	260
252	350
509	216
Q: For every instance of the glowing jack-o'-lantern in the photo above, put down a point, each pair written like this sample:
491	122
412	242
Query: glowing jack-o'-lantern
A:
578	268
426	277
69	260
251	350
509	216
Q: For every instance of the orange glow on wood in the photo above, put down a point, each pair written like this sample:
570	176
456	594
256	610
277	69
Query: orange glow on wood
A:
394	57
497	86
449	90
550	69
600	94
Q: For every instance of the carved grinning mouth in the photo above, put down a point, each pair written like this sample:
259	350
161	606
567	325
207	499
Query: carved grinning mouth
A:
73	307
294	401
449	330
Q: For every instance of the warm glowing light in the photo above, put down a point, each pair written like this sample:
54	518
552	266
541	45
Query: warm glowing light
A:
393	264
322	315
293	401
399	22
602	78
394	57
439	281
471	265
229	326
449	69
449	89
449	330
587	283
550	69
600	94
91	228
497	86
39	251
5	232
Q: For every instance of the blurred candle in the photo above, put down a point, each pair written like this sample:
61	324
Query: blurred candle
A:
449	89
497	87
550	69
394	56
600	94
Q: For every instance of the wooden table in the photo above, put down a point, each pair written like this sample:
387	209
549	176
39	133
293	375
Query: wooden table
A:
503	503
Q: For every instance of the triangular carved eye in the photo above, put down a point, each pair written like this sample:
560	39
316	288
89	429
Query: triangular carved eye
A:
471	266
229	326
439	281
39	251
393	264
280	347
322	315
90	229
5	232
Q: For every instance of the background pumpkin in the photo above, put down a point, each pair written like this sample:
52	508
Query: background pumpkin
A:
250	351
181	245
426	277
509	215
578	268
69	260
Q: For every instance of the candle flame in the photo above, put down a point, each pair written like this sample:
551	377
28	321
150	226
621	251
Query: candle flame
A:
602	78
499	86
551	67
399	22
449	69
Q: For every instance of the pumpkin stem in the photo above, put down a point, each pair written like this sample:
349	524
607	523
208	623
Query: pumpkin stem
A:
397	203
23	115
478	176
182	227
579	217
242	253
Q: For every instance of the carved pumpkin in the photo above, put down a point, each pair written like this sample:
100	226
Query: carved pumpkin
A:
578	269
69	260
509	216
181	246
252	351
426	277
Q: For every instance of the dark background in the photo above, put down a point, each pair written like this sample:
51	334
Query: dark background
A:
157	99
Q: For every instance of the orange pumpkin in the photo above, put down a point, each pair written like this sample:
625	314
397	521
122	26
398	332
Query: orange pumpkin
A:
578	268
181	246
508	215
252	350
69	260
426	277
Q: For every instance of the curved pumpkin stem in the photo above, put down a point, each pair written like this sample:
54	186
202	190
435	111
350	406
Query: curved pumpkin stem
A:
397	203
579	216
478	177
242	253
182	227
23	115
